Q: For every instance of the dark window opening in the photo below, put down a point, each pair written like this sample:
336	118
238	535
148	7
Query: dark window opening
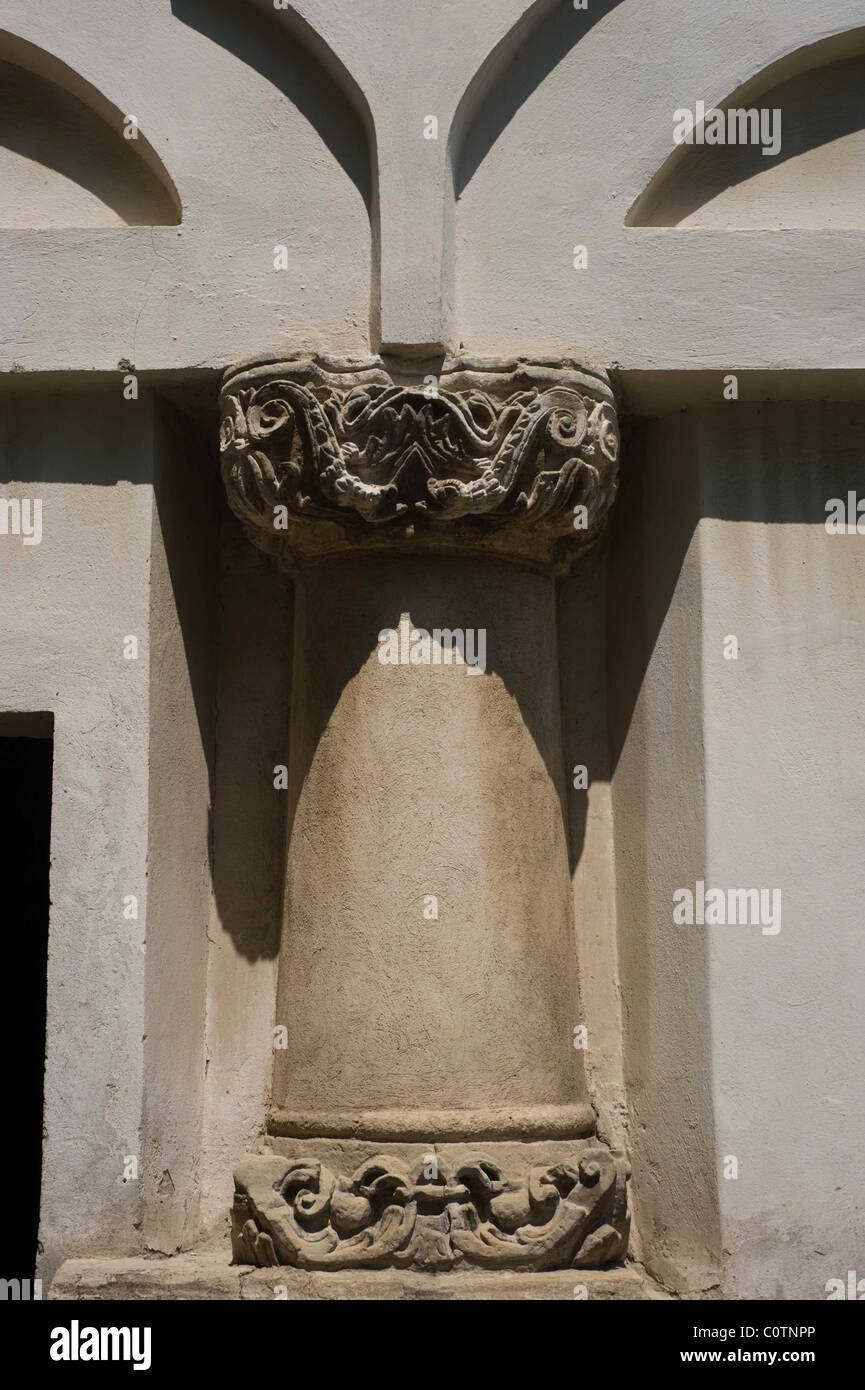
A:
26	760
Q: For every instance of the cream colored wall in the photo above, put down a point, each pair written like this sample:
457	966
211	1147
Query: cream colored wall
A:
67	606
785	808
553	123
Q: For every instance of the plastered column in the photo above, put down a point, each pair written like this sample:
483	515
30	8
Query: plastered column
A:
429	1106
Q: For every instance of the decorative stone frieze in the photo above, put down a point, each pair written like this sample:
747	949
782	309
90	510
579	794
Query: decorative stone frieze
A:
513	457
295	1211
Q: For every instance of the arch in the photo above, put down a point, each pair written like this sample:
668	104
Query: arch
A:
816	179
510	73
322	88
315	80
64	158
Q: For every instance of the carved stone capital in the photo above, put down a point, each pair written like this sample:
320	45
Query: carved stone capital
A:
515	458
433	1215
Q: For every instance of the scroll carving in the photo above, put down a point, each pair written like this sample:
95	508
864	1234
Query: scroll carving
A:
514	455
296	1212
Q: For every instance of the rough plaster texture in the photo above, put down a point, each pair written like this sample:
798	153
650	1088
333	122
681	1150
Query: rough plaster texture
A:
228	88
814	182
573	134
738	773
656	733
183	617
62	166
785	805
122	554
549	149
67	605
256	625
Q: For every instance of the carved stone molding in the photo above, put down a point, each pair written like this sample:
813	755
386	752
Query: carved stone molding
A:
513	457
389	1212
437	1126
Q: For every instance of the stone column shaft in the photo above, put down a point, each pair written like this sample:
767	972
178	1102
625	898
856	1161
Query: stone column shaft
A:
430	1107
427	965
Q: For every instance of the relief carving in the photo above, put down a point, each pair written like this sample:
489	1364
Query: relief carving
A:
297	1212
514	456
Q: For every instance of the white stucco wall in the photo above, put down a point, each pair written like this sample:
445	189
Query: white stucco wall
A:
67	605
552	122
263	153
785	808
124	1071
741	1044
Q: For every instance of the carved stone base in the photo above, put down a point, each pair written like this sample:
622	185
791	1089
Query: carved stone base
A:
535	1206
203	1276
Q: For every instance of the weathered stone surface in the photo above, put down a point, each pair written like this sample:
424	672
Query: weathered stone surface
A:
384	1040
410	780
515	457
424	1125
205	1276
432	1213
592	1284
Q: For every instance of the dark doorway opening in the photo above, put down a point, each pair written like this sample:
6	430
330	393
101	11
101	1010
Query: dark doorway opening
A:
26	761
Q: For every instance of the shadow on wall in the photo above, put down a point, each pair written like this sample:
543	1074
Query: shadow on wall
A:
605	608
64	451
655	721
253	820
255	603
256	619
602	663
609	625
186	505
582	603
258	39
486	110
814	180
64	161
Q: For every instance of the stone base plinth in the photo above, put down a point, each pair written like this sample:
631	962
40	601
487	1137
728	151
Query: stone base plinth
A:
210	1276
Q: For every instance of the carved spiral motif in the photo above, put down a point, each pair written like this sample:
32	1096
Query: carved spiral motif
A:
396	458
294	1212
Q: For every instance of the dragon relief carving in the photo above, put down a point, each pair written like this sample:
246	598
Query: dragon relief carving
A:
296	1212
300	444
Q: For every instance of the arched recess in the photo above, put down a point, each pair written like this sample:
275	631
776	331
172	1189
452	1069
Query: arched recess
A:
280	46
817	177
525	178
64	159
321	87
544	36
